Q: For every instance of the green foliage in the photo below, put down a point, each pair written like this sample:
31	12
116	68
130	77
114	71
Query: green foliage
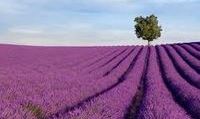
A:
35	110
147	28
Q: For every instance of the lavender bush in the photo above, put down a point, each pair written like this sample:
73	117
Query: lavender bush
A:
100	82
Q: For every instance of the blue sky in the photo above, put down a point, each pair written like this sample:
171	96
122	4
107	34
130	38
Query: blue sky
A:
95	22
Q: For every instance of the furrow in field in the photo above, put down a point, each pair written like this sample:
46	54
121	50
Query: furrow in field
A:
185	94
98	75
158	102
71	91
191	60
110	60
113	66
133	108
189	74
196	46
113	104
85	57
108	83
93	61
191	50
45	86
103	61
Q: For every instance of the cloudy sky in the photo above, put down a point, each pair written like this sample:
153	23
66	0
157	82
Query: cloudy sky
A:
95	22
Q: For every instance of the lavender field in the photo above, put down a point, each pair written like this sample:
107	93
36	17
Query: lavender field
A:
121	82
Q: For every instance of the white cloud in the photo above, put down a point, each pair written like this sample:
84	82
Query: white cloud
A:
25	30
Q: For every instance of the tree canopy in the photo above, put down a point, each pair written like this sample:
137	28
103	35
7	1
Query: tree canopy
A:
147	28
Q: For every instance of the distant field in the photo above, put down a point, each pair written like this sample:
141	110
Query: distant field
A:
121	82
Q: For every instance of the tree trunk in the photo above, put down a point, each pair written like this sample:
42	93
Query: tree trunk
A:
148	43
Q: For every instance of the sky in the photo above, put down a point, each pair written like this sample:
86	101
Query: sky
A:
95	22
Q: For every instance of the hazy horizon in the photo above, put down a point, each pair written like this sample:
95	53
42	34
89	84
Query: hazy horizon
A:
95	22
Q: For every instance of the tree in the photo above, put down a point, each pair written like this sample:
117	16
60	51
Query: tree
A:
147	28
